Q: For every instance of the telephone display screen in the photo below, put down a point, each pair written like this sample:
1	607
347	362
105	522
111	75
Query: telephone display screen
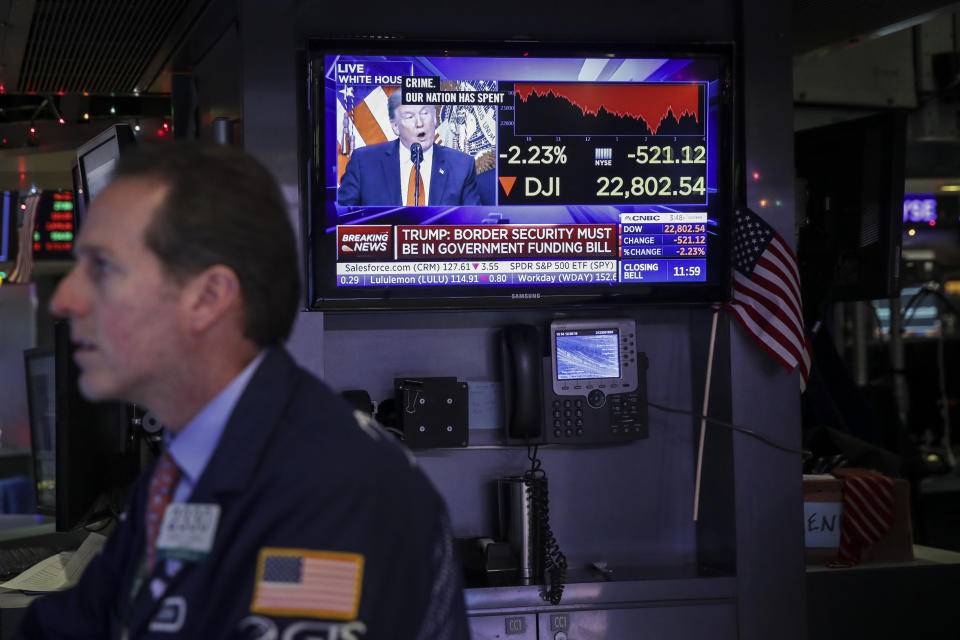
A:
588	354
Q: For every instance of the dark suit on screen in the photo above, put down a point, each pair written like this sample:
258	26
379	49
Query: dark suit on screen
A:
296	468
373	177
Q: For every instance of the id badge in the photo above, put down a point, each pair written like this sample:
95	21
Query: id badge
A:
187	531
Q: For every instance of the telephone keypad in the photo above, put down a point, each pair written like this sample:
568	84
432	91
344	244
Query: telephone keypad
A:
599	415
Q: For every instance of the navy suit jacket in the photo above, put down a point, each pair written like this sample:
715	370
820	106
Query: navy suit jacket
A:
373	177
295	468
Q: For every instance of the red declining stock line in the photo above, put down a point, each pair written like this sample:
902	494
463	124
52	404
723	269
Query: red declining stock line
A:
648	102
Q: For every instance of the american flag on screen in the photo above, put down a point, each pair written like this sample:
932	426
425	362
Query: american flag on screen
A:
300	582
362	120
766	293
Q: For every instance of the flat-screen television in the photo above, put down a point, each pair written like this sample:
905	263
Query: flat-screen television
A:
85	454
509	174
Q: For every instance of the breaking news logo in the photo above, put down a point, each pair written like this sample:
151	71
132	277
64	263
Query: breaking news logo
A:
364	241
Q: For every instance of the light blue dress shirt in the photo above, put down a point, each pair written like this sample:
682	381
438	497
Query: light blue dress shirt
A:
193	447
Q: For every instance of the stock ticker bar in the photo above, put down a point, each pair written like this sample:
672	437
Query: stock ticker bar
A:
643	248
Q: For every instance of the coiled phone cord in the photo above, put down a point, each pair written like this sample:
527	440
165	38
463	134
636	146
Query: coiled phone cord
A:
554	562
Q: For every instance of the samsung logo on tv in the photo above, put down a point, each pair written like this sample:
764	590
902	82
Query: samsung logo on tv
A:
525	296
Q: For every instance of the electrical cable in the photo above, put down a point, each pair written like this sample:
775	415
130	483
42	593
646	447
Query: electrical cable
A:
733	427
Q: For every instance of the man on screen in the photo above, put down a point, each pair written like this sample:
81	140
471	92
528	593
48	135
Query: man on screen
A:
385	173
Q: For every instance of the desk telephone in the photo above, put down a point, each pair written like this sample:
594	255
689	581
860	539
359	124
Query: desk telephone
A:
591	389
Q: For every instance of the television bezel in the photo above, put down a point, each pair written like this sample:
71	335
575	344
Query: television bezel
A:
310	121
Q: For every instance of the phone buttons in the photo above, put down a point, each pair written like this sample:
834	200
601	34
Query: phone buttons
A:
557	433
596	398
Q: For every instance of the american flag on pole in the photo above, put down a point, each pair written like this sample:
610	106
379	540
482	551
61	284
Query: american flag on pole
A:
301	582
766	293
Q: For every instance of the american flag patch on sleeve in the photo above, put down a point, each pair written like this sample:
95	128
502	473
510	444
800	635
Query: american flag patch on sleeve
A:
303	582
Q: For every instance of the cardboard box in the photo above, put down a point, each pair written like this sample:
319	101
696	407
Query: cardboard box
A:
823	518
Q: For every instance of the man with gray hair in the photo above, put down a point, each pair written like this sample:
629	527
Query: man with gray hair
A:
386	174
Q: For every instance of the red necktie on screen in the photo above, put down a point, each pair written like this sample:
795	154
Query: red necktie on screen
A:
413	181
164	479
867	512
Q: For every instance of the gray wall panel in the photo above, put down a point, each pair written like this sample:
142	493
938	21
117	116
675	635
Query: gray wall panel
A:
628	504
770	566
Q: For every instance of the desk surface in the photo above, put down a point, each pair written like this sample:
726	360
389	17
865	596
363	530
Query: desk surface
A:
922	557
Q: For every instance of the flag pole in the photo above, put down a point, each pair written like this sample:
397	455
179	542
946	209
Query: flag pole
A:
703	416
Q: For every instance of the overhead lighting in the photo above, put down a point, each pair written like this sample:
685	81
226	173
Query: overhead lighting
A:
86	116
950	187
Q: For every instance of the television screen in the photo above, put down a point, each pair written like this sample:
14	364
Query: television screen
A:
503	175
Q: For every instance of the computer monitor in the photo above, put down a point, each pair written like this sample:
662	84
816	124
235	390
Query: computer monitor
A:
97	158
54	226
40	365
86	455
79	200
849	246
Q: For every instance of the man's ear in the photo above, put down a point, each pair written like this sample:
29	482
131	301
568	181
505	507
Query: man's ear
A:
396	129
210	296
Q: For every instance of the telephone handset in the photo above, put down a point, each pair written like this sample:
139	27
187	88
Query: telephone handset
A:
591	388
520	357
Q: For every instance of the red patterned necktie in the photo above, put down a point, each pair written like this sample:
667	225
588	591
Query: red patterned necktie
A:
867	512
165	477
